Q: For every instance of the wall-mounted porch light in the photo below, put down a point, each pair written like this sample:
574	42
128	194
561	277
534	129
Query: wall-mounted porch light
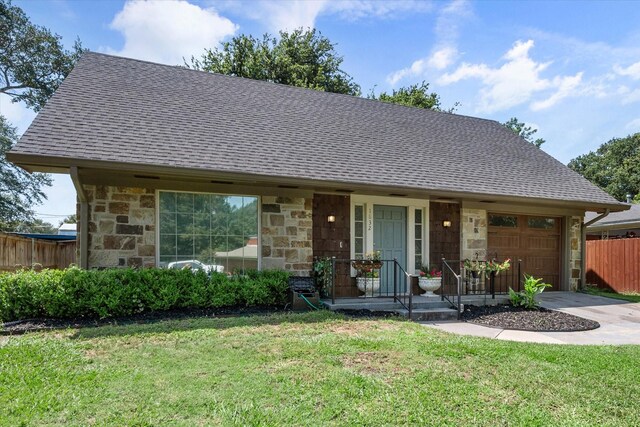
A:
331	218
446	223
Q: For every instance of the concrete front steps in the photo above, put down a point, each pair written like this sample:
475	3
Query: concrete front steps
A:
424	309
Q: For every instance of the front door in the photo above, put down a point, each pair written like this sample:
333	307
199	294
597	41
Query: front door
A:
390	238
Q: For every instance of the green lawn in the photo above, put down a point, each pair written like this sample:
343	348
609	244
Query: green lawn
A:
308	369
609	294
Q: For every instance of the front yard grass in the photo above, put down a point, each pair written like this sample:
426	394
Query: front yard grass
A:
308	369
593	290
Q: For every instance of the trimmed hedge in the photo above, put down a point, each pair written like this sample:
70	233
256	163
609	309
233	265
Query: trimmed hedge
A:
74	293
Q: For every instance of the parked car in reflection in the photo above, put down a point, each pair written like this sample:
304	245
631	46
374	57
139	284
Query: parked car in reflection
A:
195	265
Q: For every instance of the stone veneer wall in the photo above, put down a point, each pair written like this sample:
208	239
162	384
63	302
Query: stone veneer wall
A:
473	233
287	234
575	256
121	226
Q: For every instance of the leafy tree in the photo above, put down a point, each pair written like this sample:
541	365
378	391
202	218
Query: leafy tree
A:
71	219
614	166
302	58
526	132
33	61
19	190
36	226
416	95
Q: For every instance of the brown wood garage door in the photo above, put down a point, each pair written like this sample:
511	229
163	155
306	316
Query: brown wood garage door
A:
533	239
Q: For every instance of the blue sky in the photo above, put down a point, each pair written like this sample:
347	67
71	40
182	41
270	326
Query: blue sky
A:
570	69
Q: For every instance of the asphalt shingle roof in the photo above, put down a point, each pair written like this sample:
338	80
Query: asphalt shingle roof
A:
616	218
123	110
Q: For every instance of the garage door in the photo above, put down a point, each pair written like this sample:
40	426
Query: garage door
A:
533	239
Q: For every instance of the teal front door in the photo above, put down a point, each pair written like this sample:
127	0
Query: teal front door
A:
390	238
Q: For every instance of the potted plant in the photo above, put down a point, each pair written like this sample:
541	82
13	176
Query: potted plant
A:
368	273
430	280
493	267
473	266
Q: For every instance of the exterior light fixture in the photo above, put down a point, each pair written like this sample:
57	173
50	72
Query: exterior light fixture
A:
331	218
446	223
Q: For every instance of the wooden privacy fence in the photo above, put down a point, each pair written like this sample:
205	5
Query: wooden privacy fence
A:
17	252
614	264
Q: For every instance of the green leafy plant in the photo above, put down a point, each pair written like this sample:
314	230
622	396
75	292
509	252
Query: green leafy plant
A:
526	297
322	272
74	293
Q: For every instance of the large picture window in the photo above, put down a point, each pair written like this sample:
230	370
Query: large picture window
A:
216	230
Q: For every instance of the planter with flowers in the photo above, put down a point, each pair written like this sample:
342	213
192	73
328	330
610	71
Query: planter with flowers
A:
430	280
368	273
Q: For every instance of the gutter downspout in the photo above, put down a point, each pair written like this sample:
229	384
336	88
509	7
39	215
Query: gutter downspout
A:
84	218
583	245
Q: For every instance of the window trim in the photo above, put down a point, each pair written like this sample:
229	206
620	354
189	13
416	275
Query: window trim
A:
157	218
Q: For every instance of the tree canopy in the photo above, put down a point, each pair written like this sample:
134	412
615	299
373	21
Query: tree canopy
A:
416	95
33	61
614	166
302	58
19	190
526	132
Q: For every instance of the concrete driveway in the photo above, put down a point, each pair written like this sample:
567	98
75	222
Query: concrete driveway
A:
619	322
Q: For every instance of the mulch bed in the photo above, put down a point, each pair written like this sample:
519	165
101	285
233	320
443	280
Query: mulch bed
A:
33	325
366	314
506	316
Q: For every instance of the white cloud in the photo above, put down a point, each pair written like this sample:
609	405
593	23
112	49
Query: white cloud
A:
445	51
515	82
632	70
288	15
566	87
631	97
167	31
16	113
634	125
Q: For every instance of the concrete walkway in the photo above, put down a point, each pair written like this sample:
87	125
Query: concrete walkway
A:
619	322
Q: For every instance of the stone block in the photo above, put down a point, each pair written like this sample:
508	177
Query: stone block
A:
119	207
291	255
476	243
277	253
99	208
150	227
301	214
147	201
266	251
146	250
575	273
131	190
119	242
103	259
92	227
292	231
106	226
276	220
122	219
281	242
134	262
270	208
273	263
129	229
124	197
142	216
300	244
102	192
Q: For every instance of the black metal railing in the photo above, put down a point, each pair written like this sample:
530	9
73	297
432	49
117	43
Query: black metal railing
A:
451	288
482	282
383	278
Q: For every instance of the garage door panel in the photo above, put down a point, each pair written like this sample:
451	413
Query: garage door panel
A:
545	243
534	240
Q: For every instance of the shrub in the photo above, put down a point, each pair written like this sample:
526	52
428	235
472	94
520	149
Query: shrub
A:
74	293
526	297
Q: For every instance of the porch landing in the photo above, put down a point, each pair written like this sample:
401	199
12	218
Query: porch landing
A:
423	308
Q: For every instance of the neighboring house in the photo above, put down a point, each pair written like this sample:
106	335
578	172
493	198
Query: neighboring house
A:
616	225
68	230
173	164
